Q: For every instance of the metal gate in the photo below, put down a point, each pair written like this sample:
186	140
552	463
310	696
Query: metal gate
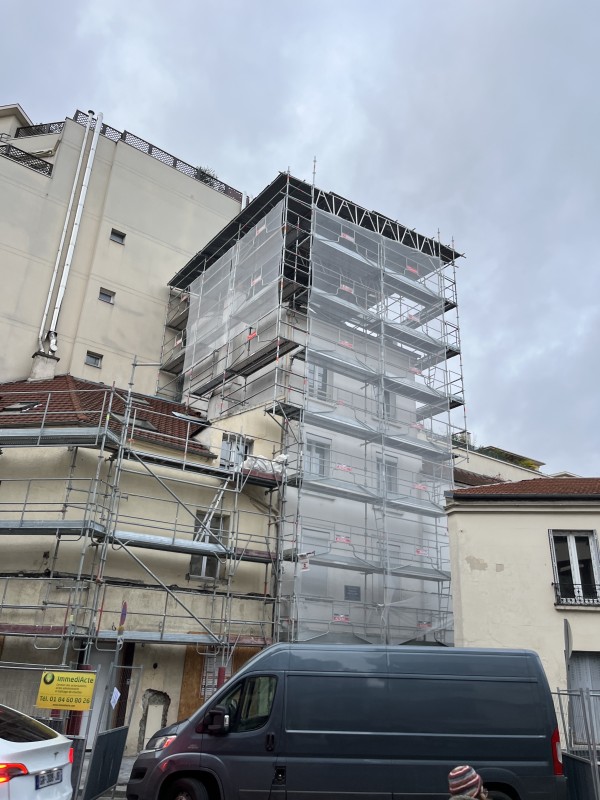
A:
578	713
100	771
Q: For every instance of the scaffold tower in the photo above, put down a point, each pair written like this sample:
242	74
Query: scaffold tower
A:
338	328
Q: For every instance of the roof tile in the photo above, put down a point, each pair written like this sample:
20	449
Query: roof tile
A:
68	401
535	487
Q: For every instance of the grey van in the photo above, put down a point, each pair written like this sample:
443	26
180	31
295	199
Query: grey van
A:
310	722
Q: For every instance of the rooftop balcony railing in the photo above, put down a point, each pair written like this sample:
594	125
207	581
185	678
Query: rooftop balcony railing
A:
140	144
39	130
26	159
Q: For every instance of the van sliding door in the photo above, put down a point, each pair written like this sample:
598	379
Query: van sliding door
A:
335	745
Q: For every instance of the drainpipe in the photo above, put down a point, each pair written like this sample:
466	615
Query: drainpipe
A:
63	236
52	334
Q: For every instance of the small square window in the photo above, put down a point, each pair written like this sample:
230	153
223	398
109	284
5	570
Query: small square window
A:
235	448
351	592
93	359
136	421
106	296
207	566
117	236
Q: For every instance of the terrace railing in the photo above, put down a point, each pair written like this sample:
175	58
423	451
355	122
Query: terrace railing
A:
142	145
26	159
39	130
161	155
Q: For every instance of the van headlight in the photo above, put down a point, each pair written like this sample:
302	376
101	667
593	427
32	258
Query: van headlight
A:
160	742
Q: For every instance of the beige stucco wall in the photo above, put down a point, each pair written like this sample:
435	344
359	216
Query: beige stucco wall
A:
12	117
492	467
34	483
38	481
502	581
166	216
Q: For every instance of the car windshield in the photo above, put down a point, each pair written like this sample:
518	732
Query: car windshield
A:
17	727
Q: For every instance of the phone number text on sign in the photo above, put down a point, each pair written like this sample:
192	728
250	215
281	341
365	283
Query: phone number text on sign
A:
70	690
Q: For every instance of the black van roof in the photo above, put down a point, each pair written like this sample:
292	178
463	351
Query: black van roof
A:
401	659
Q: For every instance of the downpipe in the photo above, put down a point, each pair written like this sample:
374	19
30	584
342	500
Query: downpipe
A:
52	333
63	236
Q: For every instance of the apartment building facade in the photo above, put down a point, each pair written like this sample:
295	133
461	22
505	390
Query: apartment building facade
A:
338	326
93	224
526	572
221	424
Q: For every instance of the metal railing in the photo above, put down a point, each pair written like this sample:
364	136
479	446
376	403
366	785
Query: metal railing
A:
578	714
577	594
26	159
39	130
161	155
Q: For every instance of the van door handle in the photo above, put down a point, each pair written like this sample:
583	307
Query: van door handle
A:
270	741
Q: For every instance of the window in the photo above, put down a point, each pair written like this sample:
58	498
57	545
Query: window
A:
203	566
249	703
106	296
318	382
117	236
317	458
20	408
389	405
235	449
387	475
576	571
17	727
135	421
351	592
93	359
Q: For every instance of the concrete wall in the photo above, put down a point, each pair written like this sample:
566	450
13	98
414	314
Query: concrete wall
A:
166	217
493	467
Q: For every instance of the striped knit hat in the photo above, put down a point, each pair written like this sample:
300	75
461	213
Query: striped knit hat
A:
464	780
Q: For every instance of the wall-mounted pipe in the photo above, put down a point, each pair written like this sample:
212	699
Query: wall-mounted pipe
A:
52	333
63	236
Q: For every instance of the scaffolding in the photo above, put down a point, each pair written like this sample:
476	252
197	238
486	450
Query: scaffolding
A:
291	485
127	519
340	326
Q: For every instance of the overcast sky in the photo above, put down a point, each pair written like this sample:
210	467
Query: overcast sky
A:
477	117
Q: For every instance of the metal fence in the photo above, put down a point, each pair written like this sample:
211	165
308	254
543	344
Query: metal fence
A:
108	736
161	155
19	685
98	735
39	130
578	713
26	159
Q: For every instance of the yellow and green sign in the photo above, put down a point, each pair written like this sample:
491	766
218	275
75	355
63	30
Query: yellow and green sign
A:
71	690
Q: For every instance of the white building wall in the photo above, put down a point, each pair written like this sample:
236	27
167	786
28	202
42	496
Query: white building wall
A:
165	216
502	581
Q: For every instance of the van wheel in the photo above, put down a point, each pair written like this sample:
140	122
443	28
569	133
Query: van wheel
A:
186	789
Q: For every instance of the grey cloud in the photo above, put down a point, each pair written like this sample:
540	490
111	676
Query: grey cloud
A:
479	118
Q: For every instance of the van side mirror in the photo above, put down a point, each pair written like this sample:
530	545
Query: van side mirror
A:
216	721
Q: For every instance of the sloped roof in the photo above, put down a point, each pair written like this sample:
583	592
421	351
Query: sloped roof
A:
469	478
65	401
534	489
